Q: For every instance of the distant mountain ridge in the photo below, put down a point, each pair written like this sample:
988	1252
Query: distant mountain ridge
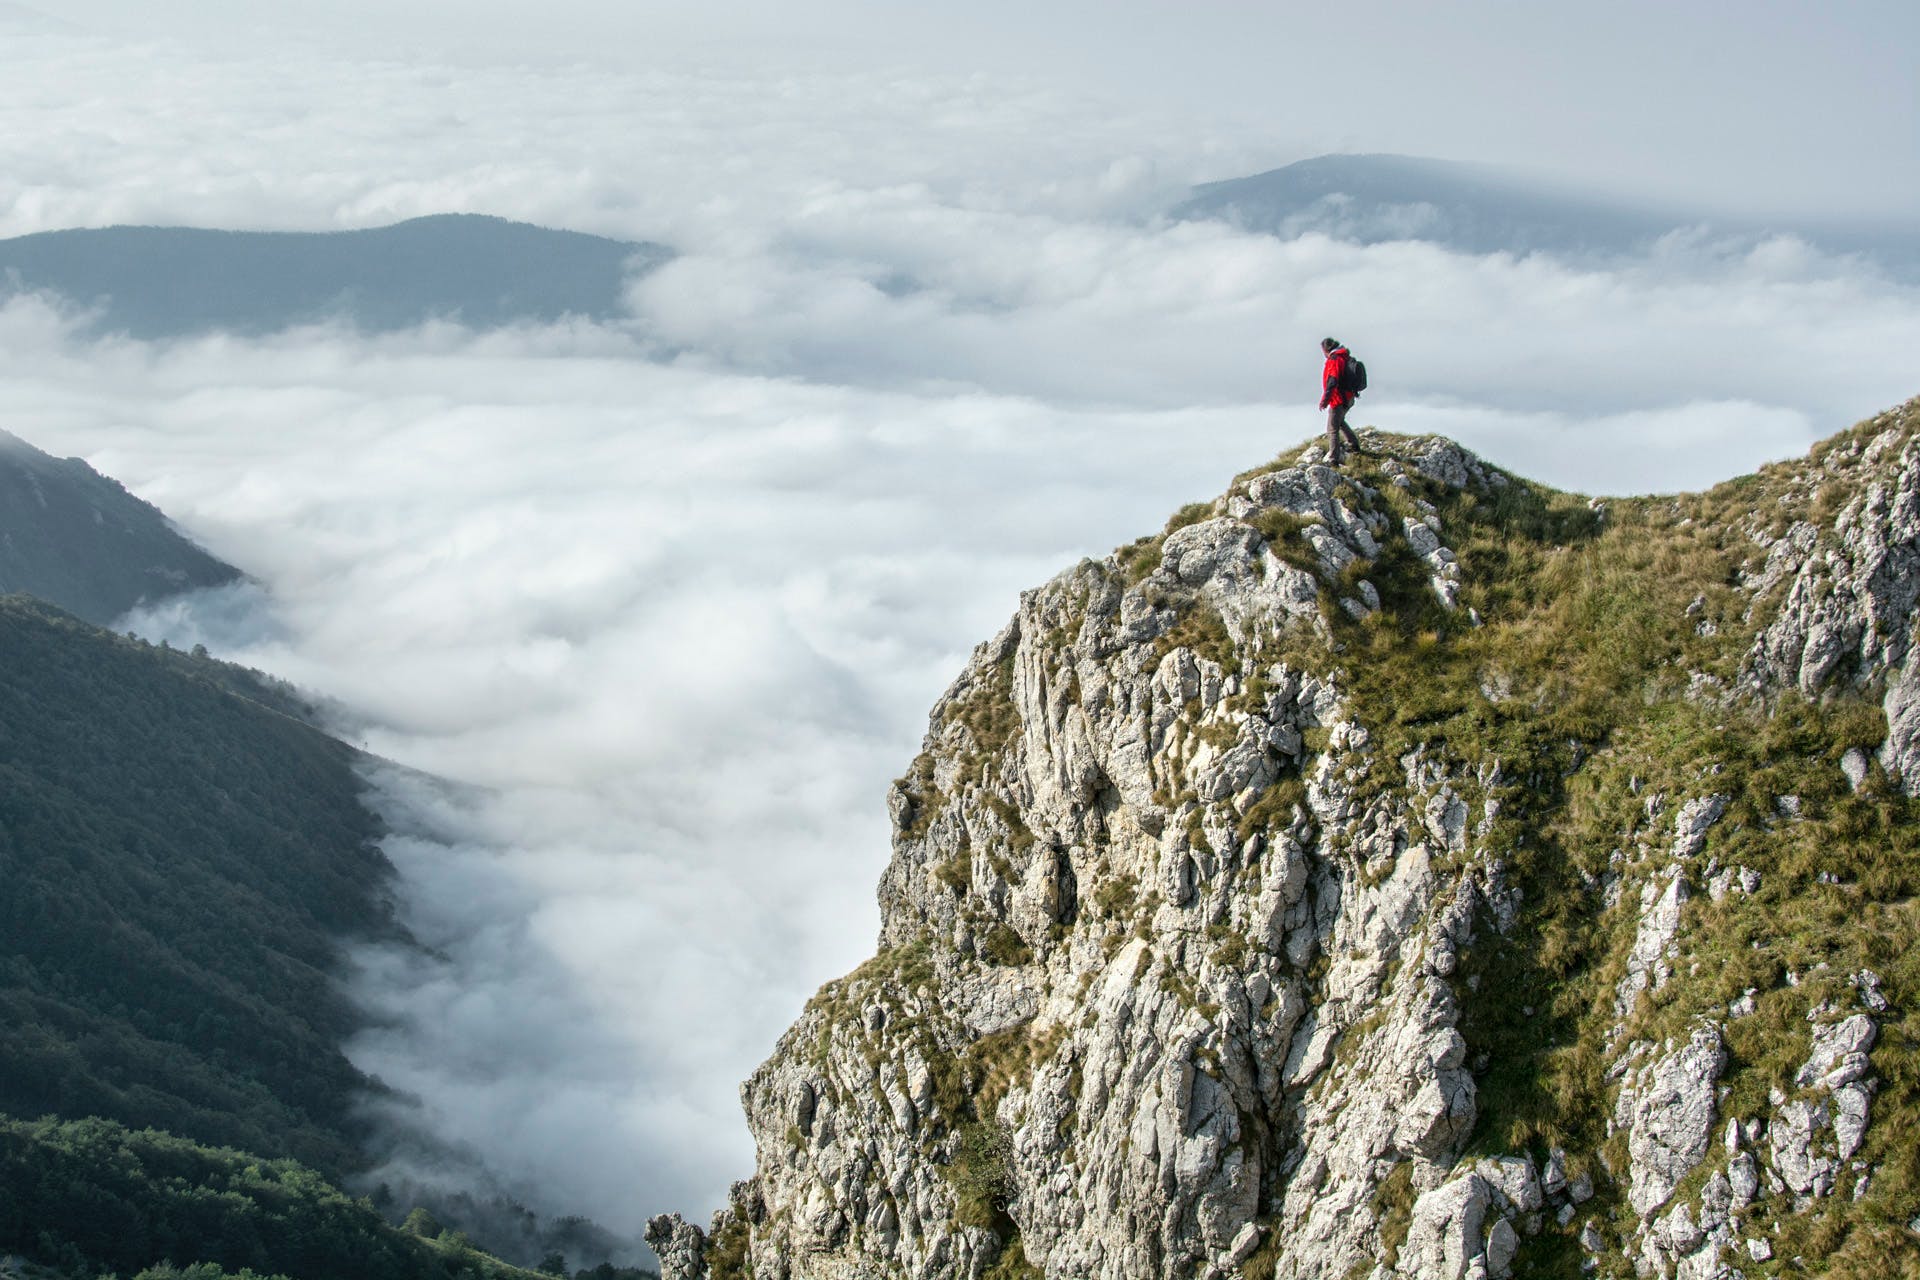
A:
76	539
483	272
1373	199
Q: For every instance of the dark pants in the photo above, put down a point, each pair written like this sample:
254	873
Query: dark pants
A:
1337	427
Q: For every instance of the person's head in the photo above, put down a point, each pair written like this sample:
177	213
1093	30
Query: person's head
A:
1328	344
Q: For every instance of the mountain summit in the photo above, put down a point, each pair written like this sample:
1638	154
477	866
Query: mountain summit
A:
1404	871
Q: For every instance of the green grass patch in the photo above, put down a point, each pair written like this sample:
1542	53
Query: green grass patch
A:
956	873
988	711
1002	946
1012	1264
727	1257
924	797
981	1178
1201	629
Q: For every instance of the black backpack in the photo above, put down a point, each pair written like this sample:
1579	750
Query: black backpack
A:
1354	380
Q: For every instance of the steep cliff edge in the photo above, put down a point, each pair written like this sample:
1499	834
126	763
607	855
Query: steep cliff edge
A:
1404	871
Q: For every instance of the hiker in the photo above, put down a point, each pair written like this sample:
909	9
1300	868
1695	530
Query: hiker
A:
1336	396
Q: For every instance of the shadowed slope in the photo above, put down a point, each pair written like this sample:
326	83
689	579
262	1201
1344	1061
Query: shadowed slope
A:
177	864
77	539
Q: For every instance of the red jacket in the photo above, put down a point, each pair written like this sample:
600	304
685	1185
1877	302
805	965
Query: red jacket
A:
1330	378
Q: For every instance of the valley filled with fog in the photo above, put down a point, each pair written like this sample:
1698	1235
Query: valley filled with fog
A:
646	612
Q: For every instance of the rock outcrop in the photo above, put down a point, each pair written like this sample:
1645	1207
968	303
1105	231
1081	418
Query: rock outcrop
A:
1843	593
1407	871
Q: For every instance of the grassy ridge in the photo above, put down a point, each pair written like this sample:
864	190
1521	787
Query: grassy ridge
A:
1587	684
1596	670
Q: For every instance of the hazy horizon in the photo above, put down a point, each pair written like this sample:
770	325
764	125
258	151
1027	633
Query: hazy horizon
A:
1770	108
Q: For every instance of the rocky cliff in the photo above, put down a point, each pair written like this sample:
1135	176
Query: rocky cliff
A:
1398	871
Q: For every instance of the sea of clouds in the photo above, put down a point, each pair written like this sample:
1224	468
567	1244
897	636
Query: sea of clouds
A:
646	616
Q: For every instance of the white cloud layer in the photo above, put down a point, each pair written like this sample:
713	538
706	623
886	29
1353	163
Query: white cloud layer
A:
668	604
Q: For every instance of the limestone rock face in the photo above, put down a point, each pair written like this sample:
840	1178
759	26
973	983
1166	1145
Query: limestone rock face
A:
1848	593
680	1246
1200	955
1159	928
1669	1113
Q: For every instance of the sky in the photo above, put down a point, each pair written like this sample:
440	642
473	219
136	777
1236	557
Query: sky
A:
646	615
1741	105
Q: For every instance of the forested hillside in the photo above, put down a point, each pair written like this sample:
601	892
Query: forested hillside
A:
87	1196
182	857
177	865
